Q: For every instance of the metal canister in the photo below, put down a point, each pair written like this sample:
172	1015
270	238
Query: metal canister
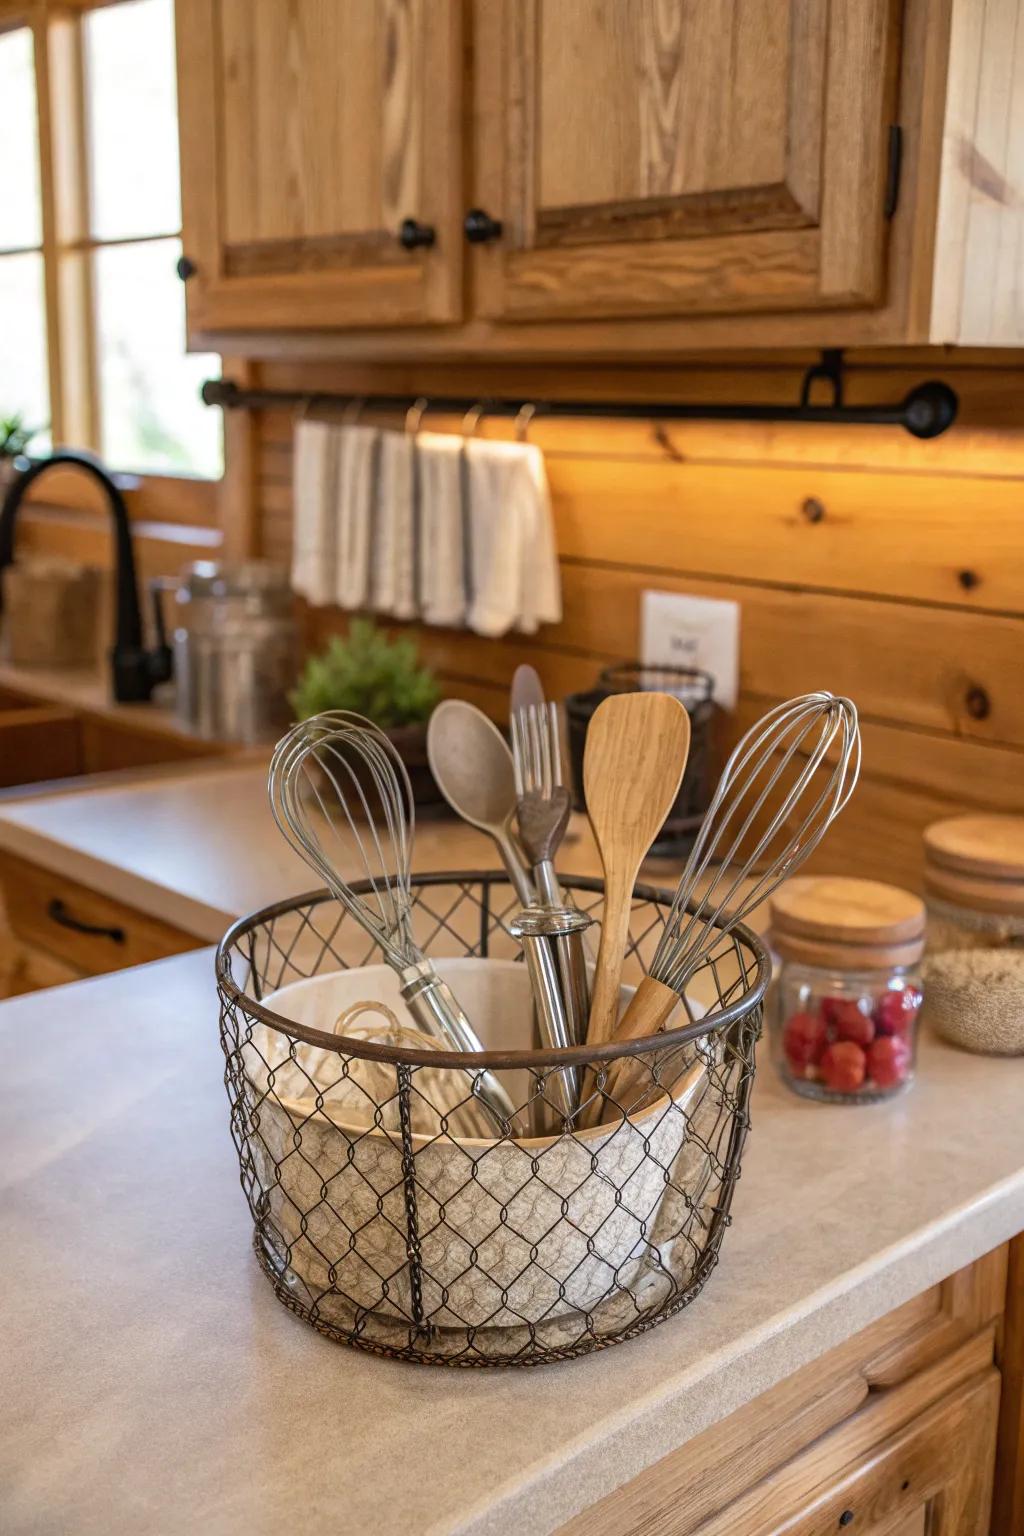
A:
235	646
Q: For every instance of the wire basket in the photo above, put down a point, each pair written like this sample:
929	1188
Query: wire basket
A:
382	1215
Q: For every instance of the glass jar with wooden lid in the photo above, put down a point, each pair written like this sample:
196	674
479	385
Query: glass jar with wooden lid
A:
974	886
847	987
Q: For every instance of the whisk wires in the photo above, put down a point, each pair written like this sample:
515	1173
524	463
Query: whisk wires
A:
341	795
758	828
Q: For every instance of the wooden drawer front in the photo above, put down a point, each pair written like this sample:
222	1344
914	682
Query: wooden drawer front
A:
934	1474
783	1453
50	912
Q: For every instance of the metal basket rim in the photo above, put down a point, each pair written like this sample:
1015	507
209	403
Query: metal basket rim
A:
502	1060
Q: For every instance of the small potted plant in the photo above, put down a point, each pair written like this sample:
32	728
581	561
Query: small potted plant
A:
372	675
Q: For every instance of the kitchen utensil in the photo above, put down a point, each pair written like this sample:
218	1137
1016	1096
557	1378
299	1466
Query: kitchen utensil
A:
341	796
542	811
543	803
768	813
637	746
546	934
527	689
692	688
472	765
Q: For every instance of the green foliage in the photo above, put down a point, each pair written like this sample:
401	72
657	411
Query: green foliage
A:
370	674
15	436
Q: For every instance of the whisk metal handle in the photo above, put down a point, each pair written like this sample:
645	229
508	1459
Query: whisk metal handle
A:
436	1009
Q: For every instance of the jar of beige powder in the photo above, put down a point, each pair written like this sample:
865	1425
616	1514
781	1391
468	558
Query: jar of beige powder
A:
974	966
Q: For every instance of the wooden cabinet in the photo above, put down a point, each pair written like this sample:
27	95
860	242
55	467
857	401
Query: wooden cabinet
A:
679	158
648	175
312	133
54	929
890	1434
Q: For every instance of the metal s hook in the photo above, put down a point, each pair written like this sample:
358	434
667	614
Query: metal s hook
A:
524	416
472	419
414	415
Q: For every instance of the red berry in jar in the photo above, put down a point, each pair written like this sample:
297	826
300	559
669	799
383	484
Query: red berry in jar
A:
896	1011
843	1067
889	1060
852	1022
830	1007
803	1040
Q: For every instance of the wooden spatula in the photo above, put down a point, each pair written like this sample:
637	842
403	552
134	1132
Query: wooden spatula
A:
635	757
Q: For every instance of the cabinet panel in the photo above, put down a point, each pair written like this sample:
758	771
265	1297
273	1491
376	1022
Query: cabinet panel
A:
676	157
310	131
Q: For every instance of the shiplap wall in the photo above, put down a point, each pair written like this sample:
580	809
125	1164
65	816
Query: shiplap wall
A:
904	587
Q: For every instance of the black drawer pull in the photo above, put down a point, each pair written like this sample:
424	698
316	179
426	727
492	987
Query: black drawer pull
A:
479	227
60	914
412	234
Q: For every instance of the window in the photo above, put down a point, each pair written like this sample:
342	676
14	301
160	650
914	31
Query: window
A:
93	333
24	388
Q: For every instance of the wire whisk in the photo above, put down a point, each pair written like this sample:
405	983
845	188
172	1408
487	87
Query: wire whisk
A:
785	783
340	794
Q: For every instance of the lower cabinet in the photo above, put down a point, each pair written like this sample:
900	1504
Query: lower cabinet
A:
892	1434
52	930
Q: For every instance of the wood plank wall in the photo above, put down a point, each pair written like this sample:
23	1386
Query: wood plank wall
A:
864	561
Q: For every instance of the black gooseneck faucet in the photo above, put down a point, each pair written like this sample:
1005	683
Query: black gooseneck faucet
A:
136	671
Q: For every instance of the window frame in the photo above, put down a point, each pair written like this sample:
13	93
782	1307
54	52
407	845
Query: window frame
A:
67	249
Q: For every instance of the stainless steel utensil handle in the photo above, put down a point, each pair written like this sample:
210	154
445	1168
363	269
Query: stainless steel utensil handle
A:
518	874
551	1016
572	966
436	1009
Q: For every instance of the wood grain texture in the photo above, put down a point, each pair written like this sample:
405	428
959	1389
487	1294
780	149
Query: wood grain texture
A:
27	892
822	1429
905	589
305	142
978	298
1008	1505
637	747
672	181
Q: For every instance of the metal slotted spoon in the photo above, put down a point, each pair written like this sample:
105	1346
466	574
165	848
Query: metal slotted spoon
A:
340	794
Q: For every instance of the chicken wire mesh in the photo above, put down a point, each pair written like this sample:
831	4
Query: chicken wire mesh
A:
390	1213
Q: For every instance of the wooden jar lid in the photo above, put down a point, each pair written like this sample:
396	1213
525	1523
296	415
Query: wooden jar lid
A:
977	862
831	920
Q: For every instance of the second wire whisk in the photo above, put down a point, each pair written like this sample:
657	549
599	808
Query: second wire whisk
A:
341	795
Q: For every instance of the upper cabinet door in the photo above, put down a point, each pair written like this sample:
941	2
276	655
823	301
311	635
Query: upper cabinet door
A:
312	132
682	157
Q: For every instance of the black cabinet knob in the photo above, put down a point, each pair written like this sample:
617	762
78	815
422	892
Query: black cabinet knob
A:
185	268
479	227
412	234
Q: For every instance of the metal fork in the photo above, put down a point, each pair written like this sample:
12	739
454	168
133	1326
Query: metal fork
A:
543	808
543	801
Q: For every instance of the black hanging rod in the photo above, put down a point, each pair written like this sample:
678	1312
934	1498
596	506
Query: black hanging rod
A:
926	411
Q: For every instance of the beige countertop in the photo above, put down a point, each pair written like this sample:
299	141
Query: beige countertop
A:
153	1383
199	848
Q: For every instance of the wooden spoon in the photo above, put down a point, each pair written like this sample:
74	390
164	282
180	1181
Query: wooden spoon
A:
633	764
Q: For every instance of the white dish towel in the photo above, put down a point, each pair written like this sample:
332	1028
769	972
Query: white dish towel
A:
355	512
314	487
442	543
513	576
395	530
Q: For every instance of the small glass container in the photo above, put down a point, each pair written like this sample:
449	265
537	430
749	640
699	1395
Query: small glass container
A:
847	987
974	887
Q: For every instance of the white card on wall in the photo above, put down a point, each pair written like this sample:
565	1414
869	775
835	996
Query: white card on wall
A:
681	631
